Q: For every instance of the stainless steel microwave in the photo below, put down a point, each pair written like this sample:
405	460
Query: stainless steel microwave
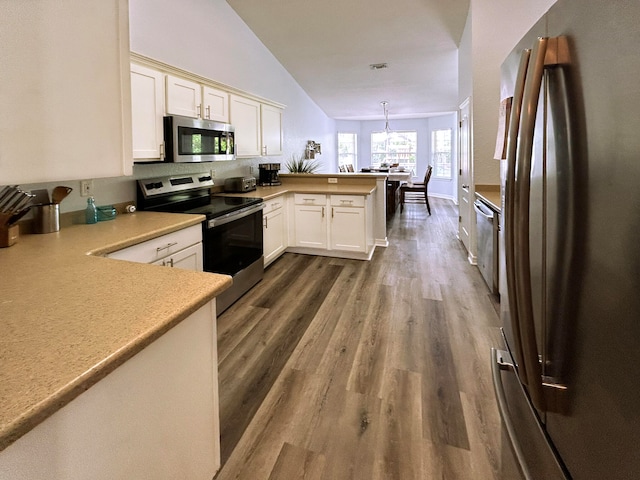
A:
196	140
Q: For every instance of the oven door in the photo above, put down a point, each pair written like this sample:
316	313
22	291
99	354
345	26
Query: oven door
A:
233	242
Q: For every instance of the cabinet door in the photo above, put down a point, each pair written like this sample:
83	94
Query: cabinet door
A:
215	104
273	229
64	91
348	229
160	247
184	97
272	140
311	226
245	117
188	259
147	110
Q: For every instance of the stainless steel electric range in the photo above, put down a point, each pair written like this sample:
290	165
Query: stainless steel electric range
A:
232	232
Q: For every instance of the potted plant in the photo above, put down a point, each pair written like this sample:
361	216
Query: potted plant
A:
297	164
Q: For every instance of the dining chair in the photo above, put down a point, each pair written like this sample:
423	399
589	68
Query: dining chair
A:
417	192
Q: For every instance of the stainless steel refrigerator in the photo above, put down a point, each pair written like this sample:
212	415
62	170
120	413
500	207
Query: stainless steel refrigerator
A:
567	378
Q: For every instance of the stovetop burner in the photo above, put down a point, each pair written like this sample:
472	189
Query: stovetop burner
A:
219	206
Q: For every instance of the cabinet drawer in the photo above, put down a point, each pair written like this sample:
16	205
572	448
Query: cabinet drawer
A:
347	200
160	247
273	204
309	199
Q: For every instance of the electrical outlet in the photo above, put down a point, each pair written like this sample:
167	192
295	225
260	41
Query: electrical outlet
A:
333	180
213	173
86	188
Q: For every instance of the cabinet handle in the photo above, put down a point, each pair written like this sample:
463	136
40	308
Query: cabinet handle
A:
266	222
166	263
346	201
310	200
199	110
208	110
168	245
322	212
161	150
331	212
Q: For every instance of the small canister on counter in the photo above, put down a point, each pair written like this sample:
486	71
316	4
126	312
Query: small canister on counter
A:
46	218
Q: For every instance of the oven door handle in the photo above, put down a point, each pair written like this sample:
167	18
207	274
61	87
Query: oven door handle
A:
233	216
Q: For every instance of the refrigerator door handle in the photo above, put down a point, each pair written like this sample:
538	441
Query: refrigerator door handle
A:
529	362
501	360
510	192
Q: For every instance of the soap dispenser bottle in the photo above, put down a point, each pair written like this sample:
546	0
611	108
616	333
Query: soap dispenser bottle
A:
91	212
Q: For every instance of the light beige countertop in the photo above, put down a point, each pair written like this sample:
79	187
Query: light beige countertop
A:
69	316
491	195
347	184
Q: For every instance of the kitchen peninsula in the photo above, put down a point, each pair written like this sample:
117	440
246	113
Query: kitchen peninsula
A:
93	355
337	214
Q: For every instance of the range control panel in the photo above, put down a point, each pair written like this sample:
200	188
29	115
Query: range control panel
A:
164	185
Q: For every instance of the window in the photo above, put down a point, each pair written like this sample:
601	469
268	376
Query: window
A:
441	148
347	150
394	148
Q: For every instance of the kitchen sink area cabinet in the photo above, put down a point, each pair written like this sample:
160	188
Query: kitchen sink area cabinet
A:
274	224
147	110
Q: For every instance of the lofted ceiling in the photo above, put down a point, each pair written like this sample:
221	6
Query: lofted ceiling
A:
329	45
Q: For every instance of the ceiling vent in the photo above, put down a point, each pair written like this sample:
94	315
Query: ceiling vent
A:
378	66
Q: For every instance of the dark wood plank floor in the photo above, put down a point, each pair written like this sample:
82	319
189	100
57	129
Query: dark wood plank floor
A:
342	369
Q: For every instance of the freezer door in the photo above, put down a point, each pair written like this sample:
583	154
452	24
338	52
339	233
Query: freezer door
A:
523	429
599	353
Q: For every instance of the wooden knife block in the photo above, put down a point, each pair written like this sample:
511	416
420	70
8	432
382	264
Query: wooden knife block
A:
9	235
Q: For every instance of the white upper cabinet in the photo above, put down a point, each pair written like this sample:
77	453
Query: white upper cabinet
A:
245	117
147	110
258	127
191	99
184	97
65	95
272	138
215	104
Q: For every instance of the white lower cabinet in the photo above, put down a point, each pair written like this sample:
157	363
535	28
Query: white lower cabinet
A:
274	226
310	219
332	225
154	417
181	249
348	224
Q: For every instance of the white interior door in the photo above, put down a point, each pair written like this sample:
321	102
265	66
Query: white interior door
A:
465	205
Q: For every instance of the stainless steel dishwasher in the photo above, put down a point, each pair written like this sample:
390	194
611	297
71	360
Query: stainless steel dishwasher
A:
487	226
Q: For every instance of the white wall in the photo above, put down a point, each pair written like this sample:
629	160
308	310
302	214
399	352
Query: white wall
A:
492	30
207	37
441	187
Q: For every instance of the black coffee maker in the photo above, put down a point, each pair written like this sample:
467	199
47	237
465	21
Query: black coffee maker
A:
269	174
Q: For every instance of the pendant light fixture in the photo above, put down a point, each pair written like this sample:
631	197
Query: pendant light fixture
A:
385	109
